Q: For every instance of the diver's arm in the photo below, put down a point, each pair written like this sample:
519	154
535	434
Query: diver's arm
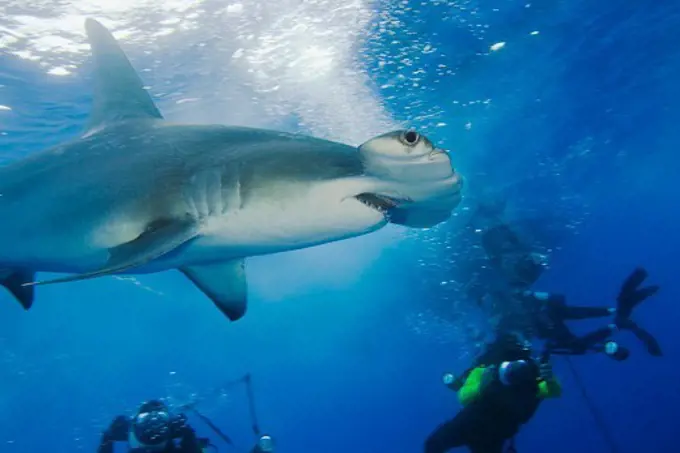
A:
116	432
575	312
180	429
473	386
189	443
548	385
555	303
558	303
545	297
453	382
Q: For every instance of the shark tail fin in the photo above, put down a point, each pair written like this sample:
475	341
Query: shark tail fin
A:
14	281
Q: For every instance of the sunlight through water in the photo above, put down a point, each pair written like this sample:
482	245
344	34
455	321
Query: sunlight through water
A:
291	57
292	64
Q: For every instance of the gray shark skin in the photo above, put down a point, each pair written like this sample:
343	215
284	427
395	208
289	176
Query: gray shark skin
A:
136	194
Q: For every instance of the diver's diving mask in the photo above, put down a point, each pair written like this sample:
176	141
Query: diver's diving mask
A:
152	429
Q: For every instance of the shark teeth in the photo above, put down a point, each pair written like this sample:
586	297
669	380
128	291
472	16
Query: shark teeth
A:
380	203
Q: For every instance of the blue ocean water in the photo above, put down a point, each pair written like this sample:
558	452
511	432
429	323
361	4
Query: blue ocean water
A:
573	118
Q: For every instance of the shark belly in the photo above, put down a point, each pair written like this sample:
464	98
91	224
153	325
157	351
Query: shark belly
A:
293	218
287	217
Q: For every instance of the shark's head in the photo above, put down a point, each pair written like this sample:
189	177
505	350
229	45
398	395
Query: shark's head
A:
417	185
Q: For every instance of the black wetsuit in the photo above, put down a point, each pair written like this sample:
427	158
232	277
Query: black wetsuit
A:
187	442
548	316
487	424
511	257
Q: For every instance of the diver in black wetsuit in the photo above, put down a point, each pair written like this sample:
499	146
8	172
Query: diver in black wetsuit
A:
549	312
500	393
155	430
544	314
521	266
510	262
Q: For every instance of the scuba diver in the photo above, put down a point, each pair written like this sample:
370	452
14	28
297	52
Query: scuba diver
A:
514	259
544	314
499	393
548	313
510	263
154	428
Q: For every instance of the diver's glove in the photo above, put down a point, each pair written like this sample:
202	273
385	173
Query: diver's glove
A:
545	371
205	445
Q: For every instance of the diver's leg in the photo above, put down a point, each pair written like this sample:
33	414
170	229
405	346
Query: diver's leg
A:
560	337
576	312
448	435
565	350
563	341
593	342
488	446
592	339
569	344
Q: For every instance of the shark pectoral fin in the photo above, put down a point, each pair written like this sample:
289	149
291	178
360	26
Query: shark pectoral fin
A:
160	238
14	281
119	92
224	283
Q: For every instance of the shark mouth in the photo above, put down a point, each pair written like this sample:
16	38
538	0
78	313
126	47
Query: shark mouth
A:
380	203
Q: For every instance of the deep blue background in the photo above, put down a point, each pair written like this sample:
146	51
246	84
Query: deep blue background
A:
582	125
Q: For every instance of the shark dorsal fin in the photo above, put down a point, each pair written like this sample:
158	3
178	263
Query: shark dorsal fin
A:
118	91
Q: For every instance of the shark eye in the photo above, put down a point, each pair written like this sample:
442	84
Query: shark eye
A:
410	138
